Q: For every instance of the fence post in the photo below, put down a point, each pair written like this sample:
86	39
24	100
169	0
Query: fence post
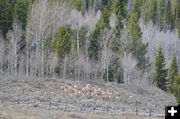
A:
125	101
50	105
66	107
2	101
136	111
123	109
150	112
23	91
18	101
58	106
107	109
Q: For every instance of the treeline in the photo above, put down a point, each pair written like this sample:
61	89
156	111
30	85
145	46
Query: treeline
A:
164	13
86	39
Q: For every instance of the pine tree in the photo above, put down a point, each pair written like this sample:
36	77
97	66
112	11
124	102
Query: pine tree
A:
176	88
172	73
6	16
103	23
161	16
159	71
77	4
106	3
120	9
61	42
137	5
176	10
21	8
151	11
169	21
135	45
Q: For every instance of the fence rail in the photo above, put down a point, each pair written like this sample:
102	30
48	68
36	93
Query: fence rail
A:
68	107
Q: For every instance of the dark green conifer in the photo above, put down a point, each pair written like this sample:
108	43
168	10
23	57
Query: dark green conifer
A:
159	71
172	73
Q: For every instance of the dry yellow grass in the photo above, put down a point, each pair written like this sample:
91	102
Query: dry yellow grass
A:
44	114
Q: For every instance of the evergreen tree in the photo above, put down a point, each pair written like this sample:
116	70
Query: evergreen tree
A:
172	73
176	10
77	4
120	9
106	3
169	21
21	8
161	16
61	42
95	36
135	45
6	15
159	71
176	88
137	5
151	11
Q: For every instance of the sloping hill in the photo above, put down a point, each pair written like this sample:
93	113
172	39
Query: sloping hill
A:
83	96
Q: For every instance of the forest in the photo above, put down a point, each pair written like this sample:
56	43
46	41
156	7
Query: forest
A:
130	42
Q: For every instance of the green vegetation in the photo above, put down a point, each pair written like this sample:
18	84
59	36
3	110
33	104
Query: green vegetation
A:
11	11
166	80
159	71
62	42
176	88
164	13
6	15
172	73
95	36
21	9
135	45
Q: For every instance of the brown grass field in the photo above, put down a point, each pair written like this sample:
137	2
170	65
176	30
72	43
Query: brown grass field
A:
44	114
81	94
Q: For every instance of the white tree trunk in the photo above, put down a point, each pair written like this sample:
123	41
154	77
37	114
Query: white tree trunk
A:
64	67
42	58
1	66
27	62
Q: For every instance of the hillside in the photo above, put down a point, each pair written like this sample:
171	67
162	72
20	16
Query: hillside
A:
58	94
100	56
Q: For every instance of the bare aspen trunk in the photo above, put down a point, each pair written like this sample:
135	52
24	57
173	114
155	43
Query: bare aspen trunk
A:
64	67
1	67
8	69
37	49
78	43
15	62
15	66
27	63
42	59
107	73
78	70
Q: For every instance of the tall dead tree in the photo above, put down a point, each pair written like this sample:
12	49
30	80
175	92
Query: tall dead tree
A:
15	36
129	68
106	53
39	24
